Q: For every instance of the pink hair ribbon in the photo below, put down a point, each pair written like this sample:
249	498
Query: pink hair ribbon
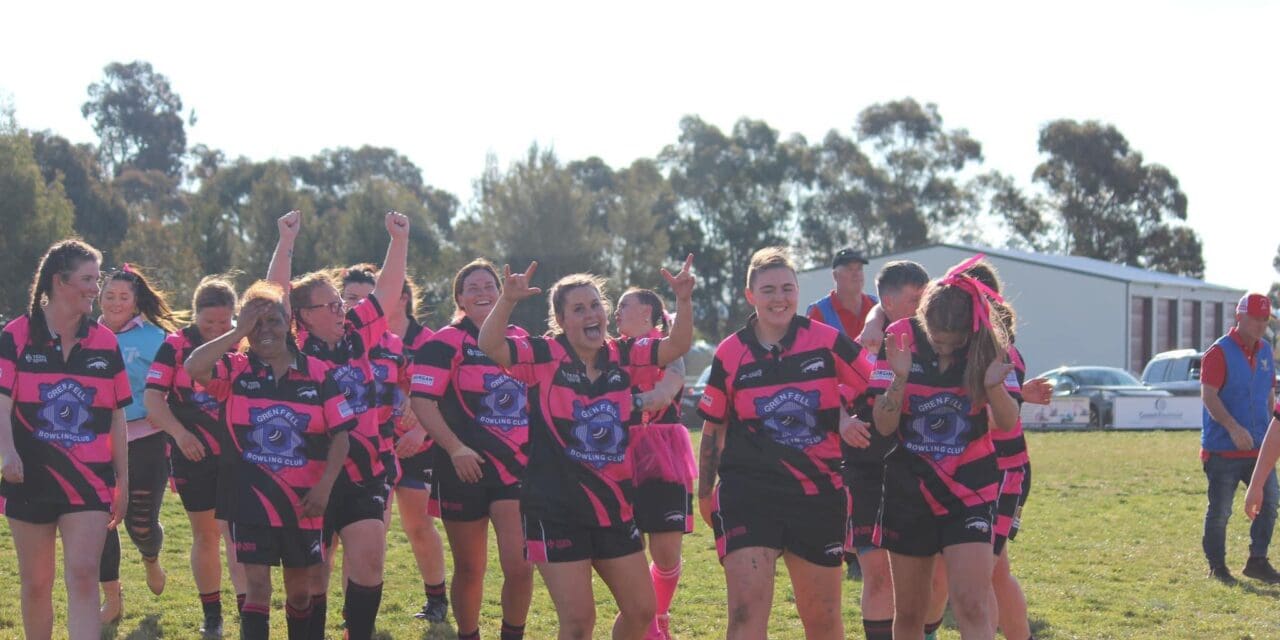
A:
127	268
982	294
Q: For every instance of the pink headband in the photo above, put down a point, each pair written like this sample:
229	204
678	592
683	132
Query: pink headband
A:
127	268
982	294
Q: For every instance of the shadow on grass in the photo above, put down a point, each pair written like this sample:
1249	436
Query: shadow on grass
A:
439	631
148	629
1259	589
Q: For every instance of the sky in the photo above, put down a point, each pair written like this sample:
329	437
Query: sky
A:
1191	85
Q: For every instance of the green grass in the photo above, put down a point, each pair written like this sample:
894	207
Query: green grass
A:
1111	550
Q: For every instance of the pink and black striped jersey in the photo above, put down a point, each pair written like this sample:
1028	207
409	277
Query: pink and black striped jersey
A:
671	413
191	404
415	336
483	405
62	411
281	430
390	367
1011	445
782	406
943	433
353	371
579	427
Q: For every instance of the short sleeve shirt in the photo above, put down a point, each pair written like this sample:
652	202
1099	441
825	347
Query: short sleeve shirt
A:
62	410
782	406
353	371
280	429
190	402
579	428
486	407
415	336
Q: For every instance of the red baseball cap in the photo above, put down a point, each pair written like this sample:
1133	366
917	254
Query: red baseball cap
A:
1255	305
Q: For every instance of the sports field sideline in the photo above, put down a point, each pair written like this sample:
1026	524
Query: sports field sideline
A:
1110	549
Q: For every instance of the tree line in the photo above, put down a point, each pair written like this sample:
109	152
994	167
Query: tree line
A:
897	178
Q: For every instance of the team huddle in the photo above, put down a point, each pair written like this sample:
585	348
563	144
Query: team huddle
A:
291	416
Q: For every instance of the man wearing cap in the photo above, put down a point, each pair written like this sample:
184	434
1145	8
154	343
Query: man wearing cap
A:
1237	379
846	307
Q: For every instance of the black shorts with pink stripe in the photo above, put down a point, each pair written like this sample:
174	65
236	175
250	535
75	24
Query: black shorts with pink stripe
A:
811	527
553	541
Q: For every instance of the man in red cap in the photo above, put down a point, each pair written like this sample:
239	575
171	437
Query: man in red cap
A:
1237	380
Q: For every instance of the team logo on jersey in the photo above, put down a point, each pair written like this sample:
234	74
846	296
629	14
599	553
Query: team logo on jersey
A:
65	411
275	439
813	365
939	425
504	403
99	363
205	402
351	381
791	417
602	439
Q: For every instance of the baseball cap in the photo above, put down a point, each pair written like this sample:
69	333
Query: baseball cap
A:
847	256
1255	305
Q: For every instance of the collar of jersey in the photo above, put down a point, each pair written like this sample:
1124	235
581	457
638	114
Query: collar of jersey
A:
758	350
258	366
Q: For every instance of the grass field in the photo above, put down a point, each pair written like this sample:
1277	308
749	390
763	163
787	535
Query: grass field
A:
1111	549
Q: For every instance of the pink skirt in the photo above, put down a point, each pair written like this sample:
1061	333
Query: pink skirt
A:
662	452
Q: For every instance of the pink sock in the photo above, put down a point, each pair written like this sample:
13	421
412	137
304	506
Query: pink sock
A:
665	582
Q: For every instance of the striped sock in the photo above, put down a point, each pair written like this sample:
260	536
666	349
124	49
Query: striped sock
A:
361	605
511	631
878	629
474	635
299	621
255	622
319	616
212	605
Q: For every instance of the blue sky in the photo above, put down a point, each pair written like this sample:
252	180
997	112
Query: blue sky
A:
1191	85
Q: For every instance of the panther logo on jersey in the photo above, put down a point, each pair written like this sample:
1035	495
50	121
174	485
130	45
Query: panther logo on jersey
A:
66	409
601	436
790	417
275	438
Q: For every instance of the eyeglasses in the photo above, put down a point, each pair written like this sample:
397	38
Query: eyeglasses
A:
334	307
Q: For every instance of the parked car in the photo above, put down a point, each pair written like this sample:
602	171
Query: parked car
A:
1177	372
690	398
1101	385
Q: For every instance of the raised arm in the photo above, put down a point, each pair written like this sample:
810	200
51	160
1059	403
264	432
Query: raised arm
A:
280	271
493	334
680	338
887	413
200	363
391	276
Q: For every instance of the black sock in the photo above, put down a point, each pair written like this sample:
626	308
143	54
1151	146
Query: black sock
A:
255	622
212	604
239	602
362	608
299	621
511	631
319	615
932	626
474	635
878	629
435	591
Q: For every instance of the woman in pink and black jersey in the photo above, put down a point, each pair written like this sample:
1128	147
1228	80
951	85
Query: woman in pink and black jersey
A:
288	423
942	380
405	442
184	410
774	421
63	447
575	498
345	338
661	458
136	310
477	415
1268	454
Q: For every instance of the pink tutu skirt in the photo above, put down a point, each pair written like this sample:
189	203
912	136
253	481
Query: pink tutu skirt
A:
662	452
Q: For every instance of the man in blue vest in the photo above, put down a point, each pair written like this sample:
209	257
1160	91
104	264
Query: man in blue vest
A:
846	307
1237	380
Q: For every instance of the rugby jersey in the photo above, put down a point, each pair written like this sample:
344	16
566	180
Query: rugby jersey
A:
486	407
1011	445
193	406
579	428
414	337
671	413
782	407
387	358
945	445
62	411
353	371
280	433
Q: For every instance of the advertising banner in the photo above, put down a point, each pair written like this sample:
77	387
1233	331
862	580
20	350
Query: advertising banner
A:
1060	413
1178	412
